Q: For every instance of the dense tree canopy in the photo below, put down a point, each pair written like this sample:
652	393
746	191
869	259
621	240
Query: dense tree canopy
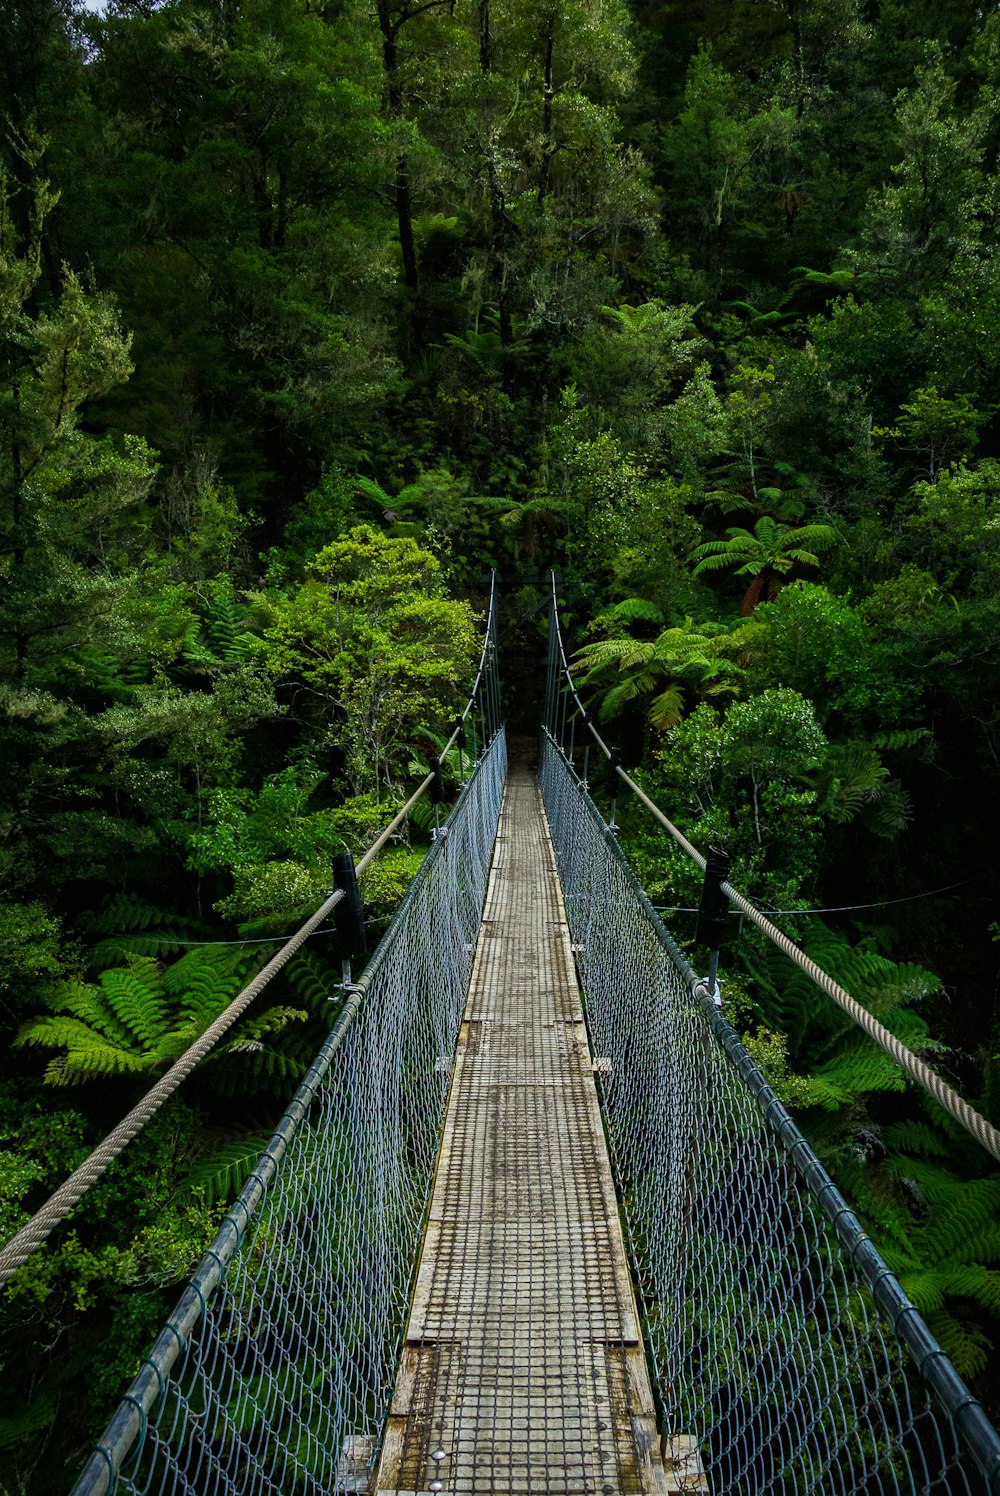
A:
313	312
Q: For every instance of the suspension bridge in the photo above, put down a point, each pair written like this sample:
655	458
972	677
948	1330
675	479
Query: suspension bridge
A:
535	1221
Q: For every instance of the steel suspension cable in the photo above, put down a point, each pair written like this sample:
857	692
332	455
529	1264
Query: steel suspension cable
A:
955	1105
69	1194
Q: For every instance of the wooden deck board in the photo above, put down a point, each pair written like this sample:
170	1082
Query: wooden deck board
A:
522	1359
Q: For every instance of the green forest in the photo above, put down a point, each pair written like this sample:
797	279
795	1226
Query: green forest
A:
315	312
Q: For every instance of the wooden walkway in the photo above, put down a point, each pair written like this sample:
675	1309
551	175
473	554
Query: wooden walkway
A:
522	1368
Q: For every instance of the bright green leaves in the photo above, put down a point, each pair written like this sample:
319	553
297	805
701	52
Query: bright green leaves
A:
765	555
369	636
661	672
136	1018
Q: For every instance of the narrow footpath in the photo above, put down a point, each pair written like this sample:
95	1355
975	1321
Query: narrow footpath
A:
522	1369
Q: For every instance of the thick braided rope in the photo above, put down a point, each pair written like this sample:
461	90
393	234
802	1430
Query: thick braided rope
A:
954	1104
57	1207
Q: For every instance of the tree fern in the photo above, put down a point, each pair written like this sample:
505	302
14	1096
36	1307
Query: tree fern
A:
315	984
680	659
132	926
897	742
134	1018
850	776
965	1343
633	610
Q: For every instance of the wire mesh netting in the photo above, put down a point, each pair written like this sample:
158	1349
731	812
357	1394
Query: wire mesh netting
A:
281	1378
767	1347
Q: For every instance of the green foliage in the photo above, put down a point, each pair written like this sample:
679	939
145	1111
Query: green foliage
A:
131	926
816	642
765	555
370	635
683	656
219	1178
559	287
137	1017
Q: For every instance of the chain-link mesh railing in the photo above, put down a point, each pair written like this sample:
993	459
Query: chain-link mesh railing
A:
782	1347
275	1373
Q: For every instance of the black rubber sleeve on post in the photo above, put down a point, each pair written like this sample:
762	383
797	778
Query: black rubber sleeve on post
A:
347	915
713	912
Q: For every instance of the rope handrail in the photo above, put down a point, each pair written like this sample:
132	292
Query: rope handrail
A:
35	1231
666	1095
955	1105
337	1096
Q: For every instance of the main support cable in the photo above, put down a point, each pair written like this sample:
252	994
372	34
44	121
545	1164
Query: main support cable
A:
35	1231
956	1106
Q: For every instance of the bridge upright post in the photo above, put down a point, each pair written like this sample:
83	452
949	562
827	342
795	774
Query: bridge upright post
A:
460	741
614	764
713	912
436	793
348	917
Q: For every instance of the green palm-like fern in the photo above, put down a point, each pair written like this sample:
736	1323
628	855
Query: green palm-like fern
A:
854	783
943	1240
792	1004
660	671
222	1175
916	1181
765	554
135	1018
132	927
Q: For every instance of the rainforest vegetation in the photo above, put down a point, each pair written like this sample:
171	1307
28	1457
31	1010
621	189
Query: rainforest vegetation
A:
313	313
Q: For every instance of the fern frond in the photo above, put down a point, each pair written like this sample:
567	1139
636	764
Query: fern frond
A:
613	703
32	1416
636	610
666	710
601	654
315	983
891	813
859	1065
972	1208
966	1345
713	562
897	742
135	1004
89	1004
126	911
914	1136
222	1176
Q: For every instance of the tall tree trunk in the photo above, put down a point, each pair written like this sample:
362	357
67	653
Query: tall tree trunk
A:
485	43
548	145
17	519
404	220
498	204
403	197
